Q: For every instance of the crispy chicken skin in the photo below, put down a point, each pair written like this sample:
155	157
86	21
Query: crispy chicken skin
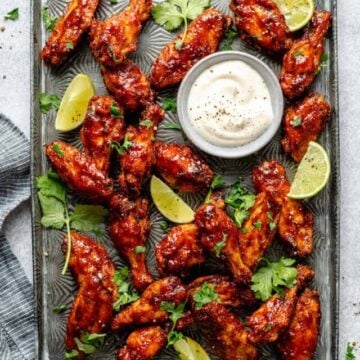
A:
229	293
202	39
258	231
215	226
301	64
295	225
94	271
137	162
116	37
179	251
313	112
299	341
100	129
224	333
274	316
68	31
79	171
181	167
128	84
143	344
261	23
146	310
129	227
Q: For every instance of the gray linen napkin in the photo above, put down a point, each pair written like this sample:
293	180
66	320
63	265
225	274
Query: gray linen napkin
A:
17	323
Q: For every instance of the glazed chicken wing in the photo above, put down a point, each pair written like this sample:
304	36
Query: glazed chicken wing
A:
302	62
79	171
303	123
181	167
68	31
179	251
94	273
295	225
261	23
129	227
202	38
274	316
100	129
299	341
218	230
116	37
143	344
146	310
128	84
138	160
224	333
258	231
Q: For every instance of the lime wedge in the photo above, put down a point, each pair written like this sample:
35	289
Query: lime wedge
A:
312	174
170	204
189	349
73	106
297	12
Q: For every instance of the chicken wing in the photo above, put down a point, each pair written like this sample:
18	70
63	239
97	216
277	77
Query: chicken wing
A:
79	172
179	251
303	123
224	333
261	23
202	38
181	167
295	225
299	341
146	310
229	294
143	344
218	230
100	129
116	37
128	84
68	31
274	316
137	162
129	227
302	62
94	273
259	230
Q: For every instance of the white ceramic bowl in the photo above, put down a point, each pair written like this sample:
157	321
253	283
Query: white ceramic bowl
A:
276	95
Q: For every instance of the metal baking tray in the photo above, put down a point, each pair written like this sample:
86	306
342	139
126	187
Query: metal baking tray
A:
52	289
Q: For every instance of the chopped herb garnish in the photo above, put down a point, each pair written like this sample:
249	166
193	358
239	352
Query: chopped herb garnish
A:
48	101
350	352
230	36
220	245
113	55
297	54
205	295
216	183
121	148
172	126
258	224
115	111
113	2
12	15
296	121
72	354
146	123
140	249
57	149
90	342
272	224
49	20
323	61
59	309
121	280
169	104
70	45
165	226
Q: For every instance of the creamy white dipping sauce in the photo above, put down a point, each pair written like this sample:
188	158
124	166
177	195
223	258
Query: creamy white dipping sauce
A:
229	104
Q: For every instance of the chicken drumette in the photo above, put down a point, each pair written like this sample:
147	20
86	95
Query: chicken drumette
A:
304	122
299	341
116	37
129	227
101	127
302	62
79	171
137	162
217	230
261	23
68	31
295	225
202	38
181	167
274	316
93	270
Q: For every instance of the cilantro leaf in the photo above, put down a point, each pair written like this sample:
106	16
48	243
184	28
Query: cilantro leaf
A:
164	226
140	249
205	295
273	277
94	339
48	101
215	184
12	15
296	121
169	104
167	15
70	45
49	20
48	186
350	352
220	245
174	336
59	309
87	217
172	126
258	224
272	223
85	348
196	7
121	148
297	54
72	354
146	123
121	277
52	212
115	111
230	36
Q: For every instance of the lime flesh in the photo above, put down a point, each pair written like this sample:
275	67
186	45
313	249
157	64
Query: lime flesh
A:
189	349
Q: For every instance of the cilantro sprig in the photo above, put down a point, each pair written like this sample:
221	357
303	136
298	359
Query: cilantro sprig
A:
52	195
121	149
175	313
171	14
12	15
47	101
216	183
121	280
273	278
230	36
48	20
169	104
88	344
350	352
220	245
205	295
